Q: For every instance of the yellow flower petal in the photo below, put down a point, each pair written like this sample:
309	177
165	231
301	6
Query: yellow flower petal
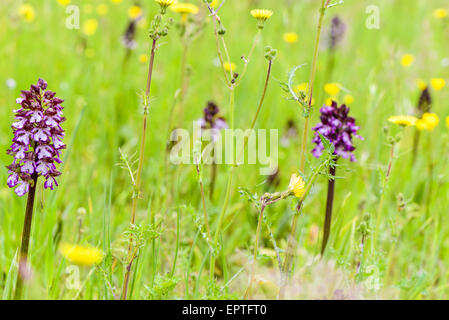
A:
407	60
81	255
290	37
438	83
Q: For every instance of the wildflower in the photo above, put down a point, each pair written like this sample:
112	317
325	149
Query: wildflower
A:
338	128
438	83
64	2
337	32
403	121
407	60
447	122
332	89
134	12
424	102
26	11
37	141
164	4
290	37
297	185
90	27
143	58
214	4
440	13
421	84
428	122
102	9
116	1
230	66
348	99
212	121
128	38
185	9
261	15
81	255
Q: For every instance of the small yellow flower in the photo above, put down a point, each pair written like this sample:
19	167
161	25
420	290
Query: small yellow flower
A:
164	4
421	84
407	60
90	27
230	67
403	121
261	15
26	11
63	2
438	83
185	8
102	9
332	89
428	122
348	99
214	4
440	13
143	58
81	255
290	37
447	122
297	186
116	1
134	12
329	101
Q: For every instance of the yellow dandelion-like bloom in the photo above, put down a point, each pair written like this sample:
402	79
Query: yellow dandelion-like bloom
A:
407	60
348	99
102	9
329	101
447	122
297	186
164	4
64	2
116	1
403	121
332	89
81	255
421	84
90	27
185	9
290	37
440	13
143	58
26	11
438	83
428	122
261	15
230	66
134	12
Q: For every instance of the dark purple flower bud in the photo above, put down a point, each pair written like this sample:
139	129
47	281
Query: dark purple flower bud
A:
128	38
212	121
337	32
338	128
37	138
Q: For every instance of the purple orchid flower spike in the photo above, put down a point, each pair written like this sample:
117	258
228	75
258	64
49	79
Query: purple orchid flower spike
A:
37	141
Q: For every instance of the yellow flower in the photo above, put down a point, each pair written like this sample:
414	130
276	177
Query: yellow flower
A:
143	58
116	1
90	27
297	186
332	89
164	4
230	67
438	83
421	84
329	101
134	12
348	99
63	2
185	8
440	13
81	255
102	9
26	11
428	122
407	60
403	121
290	37
447	122
214	4
261	14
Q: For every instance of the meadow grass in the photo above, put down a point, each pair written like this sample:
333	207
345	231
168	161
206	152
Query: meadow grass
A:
406	257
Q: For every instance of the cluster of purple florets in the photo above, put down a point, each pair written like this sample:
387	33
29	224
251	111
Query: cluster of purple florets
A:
212	120
37	141
338	128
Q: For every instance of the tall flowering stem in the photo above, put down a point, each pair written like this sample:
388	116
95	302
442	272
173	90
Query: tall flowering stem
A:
158	29
36	149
